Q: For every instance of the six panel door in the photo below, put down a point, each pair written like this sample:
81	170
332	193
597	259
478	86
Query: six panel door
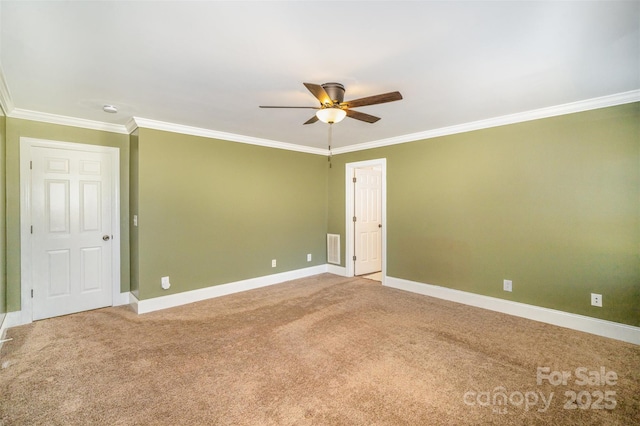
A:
368	231
71	205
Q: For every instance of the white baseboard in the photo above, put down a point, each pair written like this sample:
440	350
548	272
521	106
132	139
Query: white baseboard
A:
613	330
3	328
133	302
16	318
337	270
172	300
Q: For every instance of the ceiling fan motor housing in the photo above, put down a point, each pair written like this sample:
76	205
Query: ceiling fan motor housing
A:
335	92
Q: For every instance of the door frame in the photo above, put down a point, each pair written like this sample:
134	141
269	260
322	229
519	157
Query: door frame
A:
26	260
349	209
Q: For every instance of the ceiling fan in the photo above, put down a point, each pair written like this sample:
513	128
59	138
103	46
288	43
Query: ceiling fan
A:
333	108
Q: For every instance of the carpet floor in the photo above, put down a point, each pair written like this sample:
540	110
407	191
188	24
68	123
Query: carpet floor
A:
324	350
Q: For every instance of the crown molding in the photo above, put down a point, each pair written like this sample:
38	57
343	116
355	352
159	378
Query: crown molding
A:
573	107
6	103
67	121
131	125
213	134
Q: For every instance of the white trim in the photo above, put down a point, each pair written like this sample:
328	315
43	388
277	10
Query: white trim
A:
613	330
3	327
585	105
178	299
336	270
26	305
213	134
67	121
573	107
115	219
131	125
133	302
349	213
14	319
6	102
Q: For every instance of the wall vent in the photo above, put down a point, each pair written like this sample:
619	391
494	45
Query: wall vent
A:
333	248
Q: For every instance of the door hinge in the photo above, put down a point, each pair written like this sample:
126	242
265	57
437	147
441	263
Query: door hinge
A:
32	293
30	165
354	219
354	180
32	229
354	258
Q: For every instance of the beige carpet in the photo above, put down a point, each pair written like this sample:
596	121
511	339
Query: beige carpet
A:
325	350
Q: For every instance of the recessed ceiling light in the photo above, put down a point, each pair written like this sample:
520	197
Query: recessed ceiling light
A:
110	109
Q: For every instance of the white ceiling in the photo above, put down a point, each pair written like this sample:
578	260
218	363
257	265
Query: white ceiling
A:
210	64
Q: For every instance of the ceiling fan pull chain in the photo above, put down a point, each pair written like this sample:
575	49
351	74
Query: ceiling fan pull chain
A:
330	137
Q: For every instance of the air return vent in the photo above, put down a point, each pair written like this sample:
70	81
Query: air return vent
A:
333	248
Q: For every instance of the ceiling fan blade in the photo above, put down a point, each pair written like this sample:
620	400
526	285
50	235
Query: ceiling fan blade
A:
270	106
362	116
373	100
311	120
319	92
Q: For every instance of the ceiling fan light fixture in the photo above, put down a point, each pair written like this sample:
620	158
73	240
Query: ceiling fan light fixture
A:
331	115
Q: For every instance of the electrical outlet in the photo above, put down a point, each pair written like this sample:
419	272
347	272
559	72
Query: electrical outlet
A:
273	263
309	257
164	281
507	285
596	300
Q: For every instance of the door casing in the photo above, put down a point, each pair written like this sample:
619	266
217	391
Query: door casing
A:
26	261
349	209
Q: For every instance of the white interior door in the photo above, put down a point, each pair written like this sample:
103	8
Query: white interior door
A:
72	198
368	221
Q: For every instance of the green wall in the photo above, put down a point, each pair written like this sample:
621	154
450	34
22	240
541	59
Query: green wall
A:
17	128
212	212
552	204
3	229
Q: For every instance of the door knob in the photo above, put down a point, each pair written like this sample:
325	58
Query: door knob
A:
106	237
